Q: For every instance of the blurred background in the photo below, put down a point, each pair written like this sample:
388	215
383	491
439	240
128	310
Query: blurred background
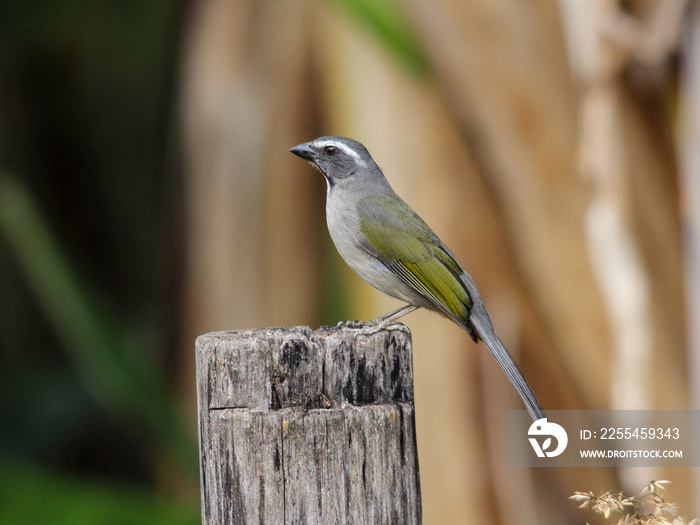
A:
147	196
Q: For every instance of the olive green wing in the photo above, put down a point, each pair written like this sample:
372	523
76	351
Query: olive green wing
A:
403	242
413	252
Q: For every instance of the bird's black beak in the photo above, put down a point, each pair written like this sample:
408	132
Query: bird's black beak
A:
304	151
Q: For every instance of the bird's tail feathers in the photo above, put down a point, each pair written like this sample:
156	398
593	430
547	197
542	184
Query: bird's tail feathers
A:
481	322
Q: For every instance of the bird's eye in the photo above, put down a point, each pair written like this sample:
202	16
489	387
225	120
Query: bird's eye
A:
330	150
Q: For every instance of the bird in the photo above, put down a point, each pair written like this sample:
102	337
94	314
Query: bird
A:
387	244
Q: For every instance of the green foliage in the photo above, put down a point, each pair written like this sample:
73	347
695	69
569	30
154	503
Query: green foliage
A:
86	225
113	372
34	496
386	19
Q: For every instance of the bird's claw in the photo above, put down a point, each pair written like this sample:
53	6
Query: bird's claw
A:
371	327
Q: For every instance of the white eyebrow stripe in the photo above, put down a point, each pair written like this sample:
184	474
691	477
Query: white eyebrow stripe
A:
354	154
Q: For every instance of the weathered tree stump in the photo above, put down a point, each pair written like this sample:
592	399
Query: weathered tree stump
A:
302	427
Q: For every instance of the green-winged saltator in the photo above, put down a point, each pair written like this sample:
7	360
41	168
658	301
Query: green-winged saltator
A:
393	249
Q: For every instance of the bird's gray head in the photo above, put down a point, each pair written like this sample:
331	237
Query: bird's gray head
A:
337	158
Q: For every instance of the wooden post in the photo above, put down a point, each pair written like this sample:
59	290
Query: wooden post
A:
302	427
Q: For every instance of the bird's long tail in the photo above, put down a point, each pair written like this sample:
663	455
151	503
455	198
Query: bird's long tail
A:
481	322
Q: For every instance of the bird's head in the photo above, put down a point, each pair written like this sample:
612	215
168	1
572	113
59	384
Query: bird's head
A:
337	158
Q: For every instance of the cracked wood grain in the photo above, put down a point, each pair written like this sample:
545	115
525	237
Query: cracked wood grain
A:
302	427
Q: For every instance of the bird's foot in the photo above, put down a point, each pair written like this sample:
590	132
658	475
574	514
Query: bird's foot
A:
379	323
370	327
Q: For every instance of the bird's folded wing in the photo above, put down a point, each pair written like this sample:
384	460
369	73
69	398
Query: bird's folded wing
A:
395	235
